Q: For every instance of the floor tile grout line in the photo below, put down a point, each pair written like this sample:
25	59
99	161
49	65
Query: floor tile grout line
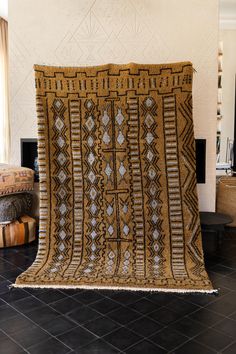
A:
13	340
118	303
212	268
101	315
207	346
220	314
194	338
216	323
82	325
38	326
184	342
215	312
217	264
42	328
201	332
77	325
85	328
120	326
15	265
140	341
203	306
212	327
60	315
130	329
33	295
26	297
111	345
205	329
179	346
228	346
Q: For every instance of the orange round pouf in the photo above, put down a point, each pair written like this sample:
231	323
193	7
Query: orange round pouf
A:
18	232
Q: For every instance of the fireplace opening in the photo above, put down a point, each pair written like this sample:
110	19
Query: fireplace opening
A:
29	156
201	160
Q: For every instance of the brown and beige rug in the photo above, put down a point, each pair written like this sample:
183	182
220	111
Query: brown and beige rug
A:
118	200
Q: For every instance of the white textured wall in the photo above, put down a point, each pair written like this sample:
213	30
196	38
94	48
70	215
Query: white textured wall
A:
89	32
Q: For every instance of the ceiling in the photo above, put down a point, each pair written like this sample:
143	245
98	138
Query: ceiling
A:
227	12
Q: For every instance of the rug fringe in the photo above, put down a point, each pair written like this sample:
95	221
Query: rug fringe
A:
89	287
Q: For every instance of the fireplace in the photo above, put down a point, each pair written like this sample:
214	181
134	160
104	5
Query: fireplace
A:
201	160
29	156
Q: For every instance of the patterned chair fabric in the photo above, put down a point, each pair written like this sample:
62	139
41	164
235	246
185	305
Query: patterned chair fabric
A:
15	179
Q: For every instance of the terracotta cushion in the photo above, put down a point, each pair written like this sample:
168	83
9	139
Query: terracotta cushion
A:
14	179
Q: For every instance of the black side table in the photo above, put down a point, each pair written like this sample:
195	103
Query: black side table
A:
215	222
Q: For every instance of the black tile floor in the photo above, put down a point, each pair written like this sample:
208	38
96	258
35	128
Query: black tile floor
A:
105	322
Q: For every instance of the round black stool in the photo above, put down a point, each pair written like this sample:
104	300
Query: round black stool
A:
214	222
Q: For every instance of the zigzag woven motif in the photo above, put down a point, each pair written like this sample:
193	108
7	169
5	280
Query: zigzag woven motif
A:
118	201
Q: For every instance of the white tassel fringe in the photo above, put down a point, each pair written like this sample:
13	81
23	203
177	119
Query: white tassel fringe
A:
97	287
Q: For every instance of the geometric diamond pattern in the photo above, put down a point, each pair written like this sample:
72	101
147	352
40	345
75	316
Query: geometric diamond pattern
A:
91	176
152	173
90	123
149	102
110	229
126	229
59	123
89	104
61	158
149	137
155	234
57	104
62	234
93	193
109	210
60	142
120	138
62	176
90	141
154	218
150	155
122	169
61	247
93	208
91	158
105	118
106	138
63	208
119	117
62	193
108	170
149	120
